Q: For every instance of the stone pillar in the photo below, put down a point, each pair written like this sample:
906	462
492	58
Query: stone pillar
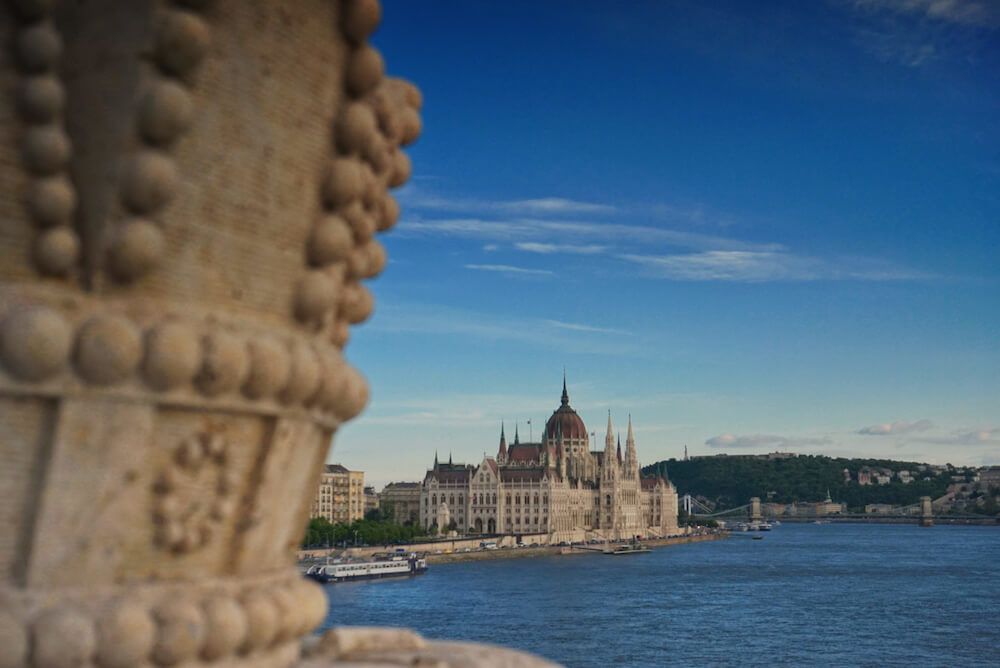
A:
926	512
755	514
190	193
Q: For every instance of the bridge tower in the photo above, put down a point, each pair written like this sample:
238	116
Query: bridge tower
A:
755	514
926	512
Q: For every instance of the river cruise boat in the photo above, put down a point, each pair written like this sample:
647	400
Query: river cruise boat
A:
629	548
375	568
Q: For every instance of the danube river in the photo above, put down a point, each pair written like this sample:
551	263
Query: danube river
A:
805	595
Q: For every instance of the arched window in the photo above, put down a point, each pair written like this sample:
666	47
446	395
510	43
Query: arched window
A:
508	499
517	500
494	499
545	499
536	499
451	500
527	500
434	500
461	499
609	500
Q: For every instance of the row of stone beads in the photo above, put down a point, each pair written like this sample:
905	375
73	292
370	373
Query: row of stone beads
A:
180	628
38	342
362	132
150	179
341	242
46	149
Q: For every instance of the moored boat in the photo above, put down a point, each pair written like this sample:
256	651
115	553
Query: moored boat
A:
395	566
629	548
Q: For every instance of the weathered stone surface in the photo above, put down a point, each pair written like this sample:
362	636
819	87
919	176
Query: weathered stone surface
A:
369	647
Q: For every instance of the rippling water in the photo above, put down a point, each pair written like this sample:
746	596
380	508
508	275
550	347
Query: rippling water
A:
833	595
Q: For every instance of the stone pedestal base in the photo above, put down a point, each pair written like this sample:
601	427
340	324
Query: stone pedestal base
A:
368	647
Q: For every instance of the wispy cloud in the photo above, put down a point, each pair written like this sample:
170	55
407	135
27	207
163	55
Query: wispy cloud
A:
989	436
564	336
576	327
896	428
536	206
555	205
547	231
536	247
916	32
414	198
965	12
764	266
508	269
768	441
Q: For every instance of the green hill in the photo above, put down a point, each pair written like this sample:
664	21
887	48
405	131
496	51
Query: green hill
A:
730	480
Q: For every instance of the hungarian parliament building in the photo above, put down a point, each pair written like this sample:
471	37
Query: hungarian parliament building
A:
558	486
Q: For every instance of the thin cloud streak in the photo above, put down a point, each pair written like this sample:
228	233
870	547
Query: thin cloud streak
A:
508	269
543	231
546	249
896	428
914	33
964	12
575	327
764	266
433	319
968	437
768	441
536	206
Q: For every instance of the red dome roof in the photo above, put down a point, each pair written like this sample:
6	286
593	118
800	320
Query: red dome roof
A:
565	423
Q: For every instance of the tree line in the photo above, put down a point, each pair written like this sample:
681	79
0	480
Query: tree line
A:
730	481
371	531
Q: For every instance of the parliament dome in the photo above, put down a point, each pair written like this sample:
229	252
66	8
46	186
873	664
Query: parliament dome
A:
565	422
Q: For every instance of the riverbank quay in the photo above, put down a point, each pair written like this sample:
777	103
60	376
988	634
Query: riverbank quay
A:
556	550
938	520
468	553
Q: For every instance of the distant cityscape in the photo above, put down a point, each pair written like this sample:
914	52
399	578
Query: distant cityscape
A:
342	497
557	486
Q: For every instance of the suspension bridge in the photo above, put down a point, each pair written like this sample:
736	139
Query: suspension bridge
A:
921	512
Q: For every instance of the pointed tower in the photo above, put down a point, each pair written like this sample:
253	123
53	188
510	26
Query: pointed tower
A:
631	455
517	439
565	394
435	460
609	439
502	450
610	469
619	453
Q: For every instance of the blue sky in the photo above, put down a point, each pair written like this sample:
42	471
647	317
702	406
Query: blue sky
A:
754	226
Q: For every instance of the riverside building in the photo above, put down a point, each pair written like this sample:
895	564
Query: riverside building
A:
558	486
340	497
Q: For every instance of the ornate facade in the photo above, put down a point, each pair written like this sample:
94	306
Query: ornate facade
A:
557	486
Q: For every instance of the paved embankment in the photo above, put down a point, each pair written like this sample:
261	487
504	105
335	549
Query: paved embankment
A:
550	550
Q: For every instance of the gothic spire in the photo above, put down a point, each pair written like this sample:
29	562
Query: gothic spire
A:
619	448
609	439
502	452
517	439
631	456
565	394
435	460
